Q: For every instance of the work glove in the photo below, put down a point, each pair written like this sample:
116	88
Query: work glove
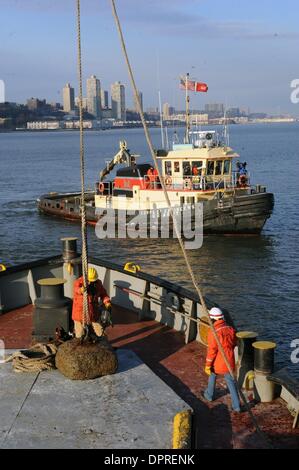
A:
208	370
108	306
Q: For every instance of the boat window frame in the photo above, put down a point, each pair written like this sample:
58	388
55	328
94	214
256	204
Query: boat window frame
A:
168	168
210	162
187	175
200	168
229	161
216	167
174	167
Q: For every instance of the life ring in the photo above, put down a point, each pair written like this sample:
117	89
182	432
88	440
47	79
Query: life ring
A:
168	181
101	188
242	181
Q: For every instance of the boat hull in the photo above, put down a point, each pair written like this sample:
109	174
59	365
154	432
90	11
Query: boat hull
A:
239	214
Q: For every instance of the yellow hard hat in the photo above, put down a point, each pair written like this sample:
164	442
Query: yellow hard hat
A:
92	275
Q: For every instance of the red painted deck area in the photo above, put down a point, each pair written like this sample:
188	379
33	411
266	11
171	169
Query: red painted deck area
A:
181	367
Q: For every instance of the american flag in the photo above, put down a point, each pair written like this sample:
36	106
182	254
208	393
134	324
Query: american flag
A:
193	86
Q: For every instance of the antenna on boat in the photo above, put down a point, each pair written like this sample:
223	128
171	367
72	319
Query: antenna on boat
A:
226	129
187	141
167	140
161	120
160	101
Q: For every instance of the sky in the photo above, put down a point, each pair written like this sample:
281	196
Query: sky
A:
246	51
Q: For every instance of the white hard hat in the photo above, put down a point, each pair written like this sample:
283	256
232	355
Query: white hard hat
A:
216	314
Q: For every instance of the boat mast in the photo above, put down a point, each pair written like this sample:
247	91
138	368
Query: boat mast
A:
161	120
226	129
187	140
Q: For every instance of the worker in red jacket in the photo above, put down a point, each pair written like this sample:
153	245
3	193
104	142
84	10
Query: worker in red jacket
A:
95	291
215	364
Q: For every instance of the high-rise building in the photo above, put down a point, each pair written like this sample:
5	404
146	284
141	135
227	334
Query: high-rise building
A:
94	96
118	101
68	98
141	101
233	112
34	104
104	99
84	103
166	113
215	108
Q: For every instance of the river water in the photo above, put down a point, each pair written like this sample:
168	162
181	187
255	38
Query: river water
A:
257	278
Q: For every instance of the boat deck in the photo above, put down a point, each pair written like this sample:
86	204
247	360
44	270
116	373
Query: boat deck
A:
181	367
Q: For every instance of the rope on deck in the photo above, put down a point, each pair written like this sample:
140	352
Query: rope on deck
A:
36	359
175	223
86	317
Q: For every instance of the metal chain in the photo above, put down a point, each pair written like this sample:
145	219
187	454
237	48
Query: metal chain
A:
177	230
86	318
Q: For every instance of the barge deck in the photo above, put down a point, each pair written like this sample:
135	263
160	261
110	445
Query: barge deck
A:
180	366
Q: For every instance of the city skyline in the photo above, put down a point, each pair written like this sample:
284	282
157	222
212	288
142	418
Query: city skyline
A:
244	52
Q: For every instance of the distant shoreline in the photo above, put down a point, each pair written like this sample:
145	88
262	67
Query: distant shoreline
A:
6	131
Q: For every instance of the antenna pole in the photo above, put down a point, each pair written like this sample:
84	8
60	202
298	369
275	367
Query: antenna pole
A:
161	120
187	111
226	130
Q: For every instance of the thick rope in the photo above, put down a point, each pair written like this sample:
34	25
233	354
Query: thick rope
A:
36	359
176	228
86	318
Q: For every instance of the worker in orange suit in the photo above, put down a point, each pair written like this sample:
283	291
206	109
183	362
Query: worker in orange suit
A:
215	364
95	290
151	177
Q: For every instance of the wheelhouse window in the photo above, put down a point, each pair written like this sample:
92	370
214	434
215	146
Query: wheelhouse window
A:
168	170
187	169
218	168
197	168
210	168
176	167
226	167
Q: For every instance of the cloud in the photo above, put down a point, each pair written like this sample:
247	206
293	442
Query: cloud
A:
168	17
172	20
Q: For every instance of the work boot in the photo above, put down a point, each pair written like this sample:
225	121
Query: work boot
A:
205	397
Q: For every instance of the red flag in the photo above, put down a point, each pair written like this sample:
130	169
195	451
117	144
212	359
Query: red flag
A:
201	87
193	86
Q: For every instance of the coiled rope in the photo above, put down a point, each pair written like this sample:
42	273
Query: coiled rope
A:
176	228
36	359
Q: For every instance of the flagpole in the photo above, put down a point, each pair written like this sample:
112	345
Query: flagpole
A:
187	111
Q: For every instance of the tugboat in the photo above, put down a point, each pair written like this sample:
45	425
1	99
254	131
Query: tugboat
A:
200	170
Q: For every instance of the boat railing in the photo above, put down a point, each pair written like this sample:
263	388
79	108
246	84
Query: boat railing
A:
202	183
240	180
104	188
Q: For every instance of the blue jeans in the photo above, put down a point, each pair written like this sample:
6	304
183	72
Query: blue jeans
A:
210	391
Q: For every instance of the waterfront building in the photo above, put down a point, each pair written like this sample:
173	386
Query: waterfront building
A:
215	108
141	101
94	96
104	99
68	98
118	101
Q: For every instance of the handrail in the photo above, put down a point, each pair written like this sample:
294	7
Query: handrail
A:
207	182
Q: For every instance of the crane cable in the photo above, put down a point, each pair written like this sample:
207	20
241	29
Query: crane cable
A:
177	231
85	317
